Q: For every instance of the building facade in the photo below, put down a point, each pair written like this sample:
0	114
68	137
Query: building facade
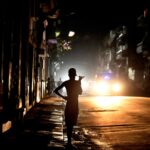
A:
26	27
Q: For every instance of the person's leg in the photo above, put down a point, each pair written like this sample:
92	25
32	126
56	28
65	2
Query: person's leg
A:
69	133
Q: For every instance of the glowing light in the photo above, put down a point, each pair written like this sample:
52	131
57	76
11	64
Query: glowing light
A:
57	33
101	87
106	77
66	45
38	99
107	87
24	111
38	93
107	102
116	87
71	33
85	85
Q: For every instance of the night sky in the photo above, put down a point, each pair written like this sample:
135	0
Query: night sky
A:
92	20
96	15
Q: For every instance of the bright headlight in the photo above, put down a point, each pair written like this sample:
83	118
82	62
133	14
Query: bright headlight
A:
107	87
101	87
116	87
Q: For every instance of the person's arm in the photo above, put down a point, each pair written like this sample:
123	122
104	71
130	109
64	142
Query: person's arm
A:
56	91
80	78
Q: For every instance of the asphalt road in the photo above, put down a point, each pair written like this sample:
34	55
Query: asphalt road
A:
116	123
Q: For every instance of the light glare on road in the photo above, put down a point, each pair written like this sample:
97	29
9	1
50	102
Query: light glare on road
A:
106	102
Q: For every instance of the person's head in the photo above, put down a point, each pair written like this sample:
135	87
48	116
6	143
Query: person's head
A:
72	72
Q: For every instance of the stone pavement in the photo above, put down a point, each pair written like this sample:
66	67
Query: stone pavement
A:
43	128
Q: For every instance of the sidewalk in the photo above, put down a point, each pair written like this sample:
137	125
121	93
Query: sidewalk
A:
43	128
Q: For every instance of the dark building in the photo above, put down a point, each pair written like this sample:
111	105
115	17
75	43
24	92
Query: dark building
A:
130	49
23	55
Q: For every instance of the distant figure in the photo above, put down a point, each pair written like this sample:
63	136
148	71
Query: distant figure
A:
58	84
73	89
48	86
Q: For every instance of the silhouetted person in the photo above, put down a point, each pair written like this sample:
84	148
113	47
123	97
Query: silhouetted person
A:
48	86
73	89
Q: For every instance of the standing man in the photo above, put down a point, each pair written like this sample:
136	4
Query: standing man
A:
73	89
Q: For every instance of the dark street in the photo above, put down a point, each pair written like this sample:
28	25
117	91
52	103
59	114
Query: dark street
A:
116	123
55	50
105	122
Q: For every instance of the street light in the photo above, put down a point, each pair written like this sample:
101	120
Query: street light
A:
71	33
